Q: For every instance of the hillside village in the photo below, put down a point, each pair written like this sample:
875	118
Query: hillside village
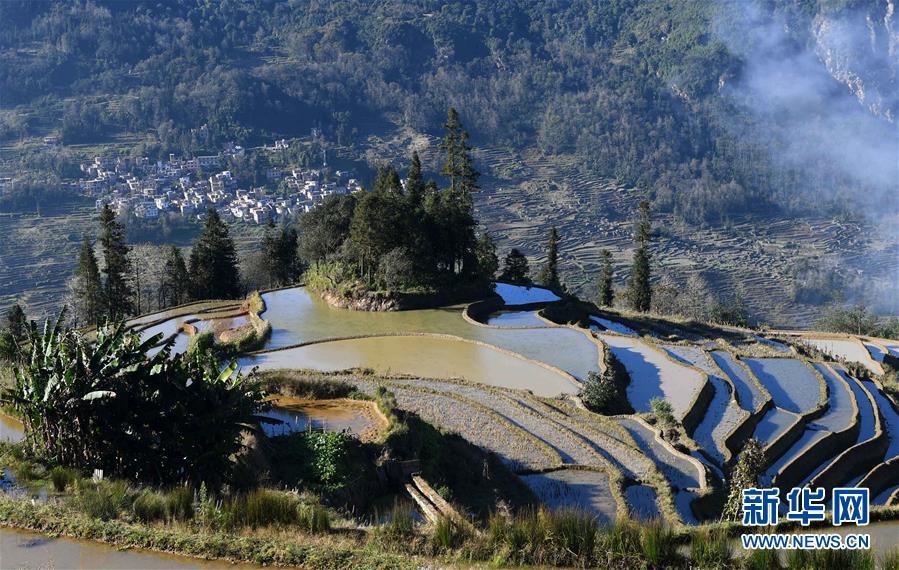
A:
145	189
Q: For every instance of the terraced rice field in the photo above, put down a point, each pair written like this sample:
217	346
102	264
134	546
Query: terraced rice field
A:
515	319
612	326
518	295
723	413
773	424
851	350
749	395
575	489
513	391
641	499
654	375
876	351
300	317
792	385
425	356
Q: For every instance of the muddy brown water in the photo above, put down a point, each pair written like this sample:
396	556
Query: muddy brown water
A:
298	415
11	429
424	356
23	549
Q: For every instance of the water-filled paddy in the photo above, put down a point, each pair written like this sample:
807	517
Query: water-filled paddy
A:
21	549
654	375
792	385
723	413
521	295
877	352
515	319
575	489
298	317
426	356
612	326
809	437
680	471
890	418
773	424
851	350
11	429
297	415
749	395
641	500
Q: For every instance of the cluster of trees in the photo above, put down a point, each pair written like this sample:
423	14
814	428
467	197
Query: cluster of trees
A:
108	405
633	89
124	280
403	236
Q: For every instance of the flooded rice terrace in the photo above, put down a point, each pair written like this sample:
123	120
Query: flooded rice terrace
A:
498	382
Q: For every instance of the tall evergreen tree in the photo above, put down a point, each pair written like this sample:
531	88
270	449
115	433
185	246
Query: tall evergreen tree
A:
640	290
549	273
118	295
280	253
415	182
744	475
458	165
515	268
213	262
606	292
488	262
175	286
16	321
87	287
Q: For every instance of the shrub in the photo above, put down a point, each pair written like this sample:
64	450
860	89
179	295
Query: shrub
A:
179	503
314	518
103	500
763	559
710	549
400	524
889	560
623	541
262	507
201	343
149	506
663	411
448	534
62	478
658	544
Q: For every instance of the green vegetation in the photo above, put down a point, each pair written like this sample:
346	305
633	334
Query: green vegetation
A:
858	319
549	273
109	405
396	239
279	249
605	293
743	475
606	393
515	268
118	295
213	262
663	412
639	288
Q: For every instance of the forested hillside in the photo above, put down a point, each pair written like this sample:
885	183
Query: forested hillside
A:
715	109
659	95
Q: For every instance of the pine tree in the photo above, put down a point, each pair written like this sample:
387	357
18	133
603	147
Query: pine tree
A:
606	292
118	296
213	262
415	182
175	287
515	268
458	165
16	321
270	252
744	475
488	262
549	273
280	253
640	290
86	287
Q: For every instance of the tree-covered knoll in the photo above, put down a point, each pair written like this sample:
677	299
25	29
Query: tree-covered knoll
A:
403	237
